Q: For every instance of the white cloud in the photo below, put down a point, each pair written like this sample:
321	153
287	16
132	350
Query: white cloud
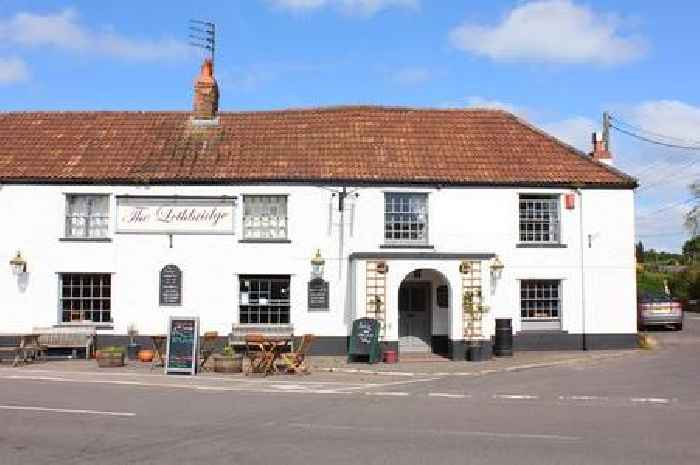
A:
63	31
12	70
667	117
550	31
352	7
575	131
475	101
411	76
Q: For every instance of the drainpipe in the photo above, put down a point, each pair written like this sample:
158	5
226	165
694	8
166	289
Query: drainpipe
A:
583	277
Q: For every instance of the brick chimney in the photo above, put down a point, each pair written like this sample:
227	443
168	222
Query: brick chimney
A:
206	92
600	152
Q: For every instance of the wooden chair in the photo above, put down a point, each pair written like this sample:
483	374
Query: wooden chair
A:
297	361
255	353
209	340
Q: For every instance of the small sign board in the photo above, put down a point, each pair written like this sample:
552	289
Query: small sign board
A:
170	286
364	340
182	345
443	296
318	294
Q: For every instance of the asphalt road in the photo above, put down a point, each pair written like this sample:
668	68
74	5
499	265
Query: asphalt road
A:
636	409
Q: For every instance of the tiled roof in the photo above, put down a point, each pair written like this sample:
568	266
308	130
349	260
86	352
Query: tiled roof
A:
338	144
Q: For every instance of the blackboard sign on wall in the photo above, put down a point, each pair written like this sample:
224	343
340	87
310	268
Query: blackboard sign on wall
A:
170	286
318	294
182	345
364	340
443	296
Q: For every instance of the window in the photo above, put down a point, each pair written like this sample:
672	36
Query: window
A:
406	218
86	297
539	219
87	216
540	302
265	217
264	300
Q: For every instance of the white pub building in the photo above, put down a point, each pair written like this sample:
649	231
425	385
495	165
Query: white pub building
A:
435	222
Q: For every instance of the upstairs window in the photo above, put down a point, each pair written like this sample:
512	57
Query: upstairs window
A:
405	218
265	217
87	216
539	219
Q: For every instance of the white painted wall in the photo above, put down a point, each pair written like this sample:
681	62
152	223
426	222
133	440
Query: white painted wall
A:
465	220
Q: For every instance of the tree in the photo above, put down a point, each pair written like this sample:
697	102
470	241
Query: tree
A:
692	219
691	250
639	252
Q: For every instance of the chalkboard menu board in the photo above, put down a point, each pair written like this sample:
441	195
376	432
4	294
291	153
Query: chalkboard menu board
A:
170	286
364	340
318	294
182	345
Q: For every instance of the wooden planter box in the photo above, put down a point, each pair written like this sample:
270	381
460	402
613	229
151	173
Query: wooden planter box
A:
228	364
109	359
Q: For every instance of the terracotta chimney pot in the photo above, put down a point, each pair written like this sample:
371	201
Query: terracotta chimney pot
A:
206	92
600	153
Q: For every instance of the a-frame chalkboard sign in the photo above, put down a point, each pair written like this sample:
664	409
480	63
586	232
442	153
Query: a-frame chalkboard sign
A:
182	345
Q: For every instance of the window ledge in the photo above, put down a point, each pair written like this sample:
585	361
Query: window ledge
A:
406	246
534	245
265	241
85	239
85	324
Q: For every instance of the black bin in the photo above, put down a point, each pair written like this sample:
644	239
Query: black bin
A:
503	346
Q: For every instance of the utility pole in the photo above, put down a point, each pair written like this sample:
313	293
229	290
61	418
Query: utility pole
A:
606	130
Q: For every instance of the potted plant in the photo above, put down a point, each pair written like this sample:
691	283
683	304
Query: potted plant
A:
478	347
133	348
110	357
228	361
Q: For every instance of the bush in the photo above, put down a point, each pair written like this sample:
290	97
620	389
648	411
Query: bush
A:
112	350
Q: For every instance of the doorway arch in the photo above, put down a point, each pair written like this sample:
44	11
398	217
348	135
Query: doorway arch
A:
423	311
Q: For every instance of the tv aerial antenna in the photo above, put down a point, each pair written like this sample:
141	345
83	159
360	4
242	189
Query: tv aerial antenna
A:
203	36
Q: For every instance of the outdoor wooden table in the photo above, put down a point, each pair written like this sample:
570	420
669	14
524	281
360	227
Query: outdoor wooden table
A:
270	348
158	351
27	347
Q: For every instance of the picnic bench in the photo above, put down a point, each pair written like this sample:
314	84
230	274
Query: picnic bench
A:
68	337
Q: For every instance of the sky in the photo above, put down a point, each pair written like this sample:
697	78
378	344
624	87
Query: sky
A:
557	63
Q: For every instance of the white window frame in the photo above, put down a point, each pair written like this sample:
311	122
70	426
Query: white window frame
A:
266	223
91	220
421	239
541	293
545	228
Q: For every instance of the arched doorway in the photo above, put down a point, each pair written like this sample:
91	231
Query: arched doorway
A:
423	311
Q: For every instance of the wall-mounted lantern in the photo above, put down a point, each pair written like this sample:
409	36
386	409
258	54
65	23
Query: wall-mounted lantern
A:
382	267
317	265
464	267
497	267
18	264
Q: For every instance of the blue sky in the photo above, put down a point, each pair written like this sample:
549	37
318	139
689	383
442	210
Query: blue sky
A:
557	63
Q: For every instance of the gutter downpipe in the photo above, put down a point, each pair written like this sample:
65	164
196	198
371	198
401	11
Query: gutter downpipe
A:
584	345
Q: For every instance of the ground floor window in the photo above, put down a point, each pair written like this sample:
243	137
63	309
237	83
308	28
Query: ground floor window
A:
540	303
264	299
86	297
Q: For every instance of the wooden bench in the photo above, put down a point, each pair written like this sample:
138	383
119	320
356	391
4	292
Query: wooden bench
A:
82	337
240	331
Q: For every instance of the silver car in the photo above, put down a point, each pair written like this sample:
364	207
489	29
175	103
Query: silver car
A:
659	310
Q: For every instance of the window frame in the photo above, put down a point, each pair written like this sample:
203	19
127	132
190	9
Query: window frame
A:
68	216
81	285
407	242
541	322
555	235
278	305
244	217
